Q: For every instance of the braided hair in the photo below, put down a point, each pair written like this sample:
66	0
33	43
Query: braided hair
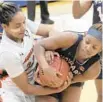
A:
7	12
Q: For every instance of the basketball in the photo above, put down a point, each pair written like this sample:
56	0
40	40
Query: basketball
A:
60	65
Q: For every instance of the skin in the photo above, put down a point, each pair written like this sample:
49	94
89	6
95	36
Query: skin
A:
16	28
87	48
15	31
78	11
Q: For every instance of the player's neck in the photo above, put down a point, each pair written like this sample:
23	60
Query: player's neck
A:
78	56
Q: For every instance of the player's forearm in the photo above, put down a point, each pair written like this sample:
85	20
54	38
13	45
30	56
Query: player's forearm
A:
39	90
79	78
54	32
76	8
40	56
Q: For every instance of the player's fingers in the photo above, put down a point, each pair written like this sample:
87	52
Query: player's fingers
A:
63	86
45	80
58	74
52	84
48	57
52	56
68	80
56	54
37	77
70	75
39	81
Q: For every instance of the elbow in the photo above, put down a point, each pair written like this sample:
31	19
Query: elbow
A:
26	91
76	16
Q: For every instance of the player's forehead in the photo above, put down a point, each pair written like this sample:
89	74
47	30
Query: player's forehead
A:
92	40
18	18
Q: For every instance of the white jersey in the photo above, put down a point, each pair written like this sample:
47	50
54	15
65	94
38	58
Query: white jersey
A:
16	58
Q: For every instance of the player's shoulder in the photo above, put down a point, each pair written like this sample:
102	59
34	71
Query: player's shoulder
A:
6	51
5	47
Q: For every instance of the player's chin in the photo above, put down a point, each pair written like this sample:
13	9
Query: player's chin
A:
21	36
88	56
55	85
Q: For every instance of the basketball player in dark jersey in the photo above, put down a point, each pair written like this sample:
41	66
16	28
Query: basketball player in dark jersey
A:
80	52
78	11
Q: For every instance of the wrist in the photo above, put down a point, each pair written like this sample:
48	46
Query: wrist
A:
72	81
42	67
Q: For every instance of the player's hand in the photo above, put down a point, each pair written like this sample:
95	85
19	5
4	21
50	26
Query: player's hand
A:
70	75
50	78
49	55
64	85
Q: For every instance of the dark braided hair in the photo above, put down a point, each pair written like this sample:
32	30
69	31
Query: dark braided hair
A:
7	12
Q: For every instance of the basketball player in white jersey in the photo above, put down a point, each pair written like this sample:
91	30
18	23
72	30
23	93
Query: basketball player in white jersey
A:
17	57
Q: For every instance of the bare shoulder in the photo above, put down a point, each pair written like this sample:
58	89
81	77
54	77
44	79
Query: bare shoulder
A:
61	40
64	39
69	35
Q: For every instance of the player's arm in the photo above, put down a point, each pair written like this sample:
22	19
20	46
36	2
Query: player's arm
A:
90	74
44	30
39	29
16	72
22	82
79	9
63	40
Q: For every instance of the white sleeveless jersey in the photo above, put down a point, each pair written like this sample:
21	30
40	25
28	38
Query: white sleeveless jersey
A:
21	54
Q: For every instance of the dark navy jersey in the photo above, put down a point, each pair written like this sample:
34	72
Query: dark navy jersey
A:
98	11
69	55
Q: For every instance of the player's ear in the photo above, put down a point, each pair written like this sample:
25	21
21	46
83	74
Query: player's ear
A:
4	26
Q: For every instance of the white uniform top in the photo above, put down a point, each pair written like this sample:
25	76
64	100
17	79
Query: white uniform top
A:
16	58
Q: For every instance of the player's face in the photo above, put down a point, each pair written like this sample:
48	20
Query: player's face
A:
16	27
89	46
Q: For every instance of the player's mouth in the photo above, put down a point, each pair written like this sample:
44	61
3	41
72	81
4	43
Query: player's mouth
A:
21	33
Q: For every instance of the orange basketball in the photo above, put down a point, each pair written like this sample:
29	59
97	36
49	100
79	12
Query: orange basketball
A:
62	66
